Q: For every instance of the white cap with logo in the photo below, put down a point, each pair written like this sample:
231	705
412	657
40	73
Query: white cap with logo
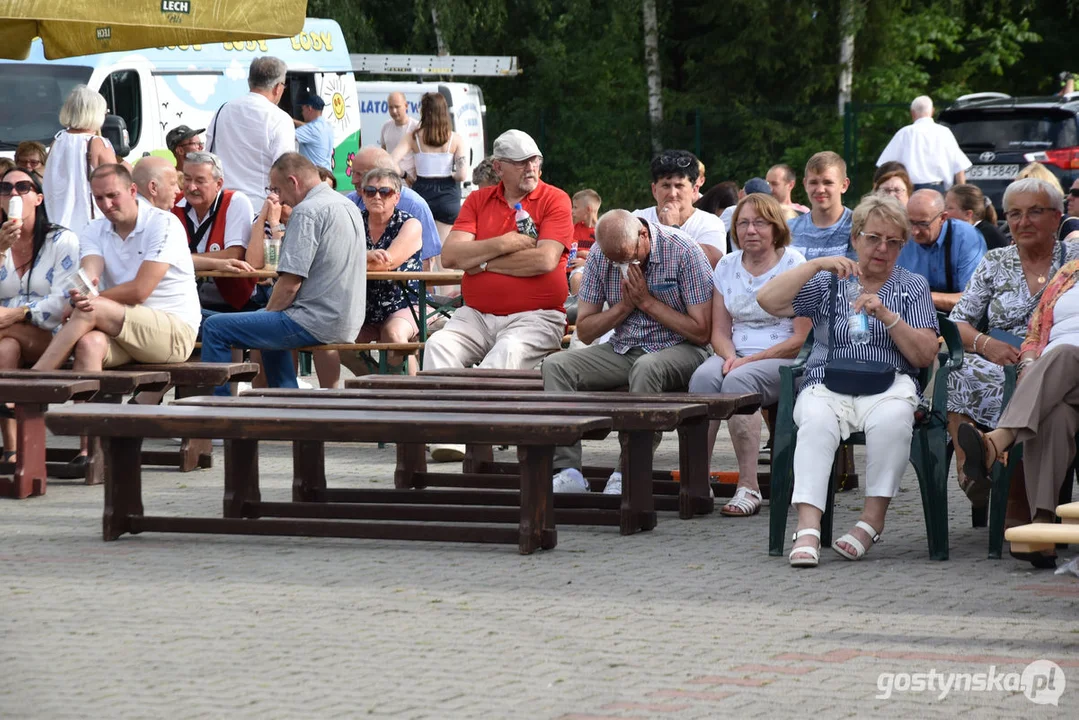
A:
515	145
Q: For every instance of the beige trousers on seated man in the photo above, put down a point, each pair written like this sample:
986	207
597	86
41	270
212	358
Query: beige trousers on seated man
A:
509	342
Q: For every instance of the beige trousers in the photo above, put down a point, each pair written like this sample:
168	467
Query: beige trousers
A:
518	341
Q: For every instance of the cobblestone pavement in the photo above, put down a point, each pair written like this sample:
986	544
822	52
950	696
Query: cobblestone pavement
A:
691	620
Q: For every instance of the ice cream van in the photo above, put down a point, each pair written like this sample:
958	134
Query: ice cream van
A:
156	89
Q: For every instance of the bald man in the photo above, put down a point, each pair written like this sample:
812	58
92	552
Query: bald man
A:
399	123
157	181
945	251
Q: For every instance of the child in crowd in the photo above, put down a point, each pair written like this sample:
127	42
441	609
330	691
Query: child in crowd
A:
586	205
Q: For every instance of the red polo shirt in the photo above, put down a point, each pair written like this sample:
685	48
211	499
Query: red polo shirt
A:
486	215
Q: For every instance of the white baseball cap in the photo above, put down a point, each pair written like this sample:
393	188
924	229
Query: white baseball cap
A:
515	145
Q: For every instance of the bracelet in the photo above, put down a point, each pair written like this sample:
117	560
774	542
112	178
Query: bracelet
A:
976	338
893	323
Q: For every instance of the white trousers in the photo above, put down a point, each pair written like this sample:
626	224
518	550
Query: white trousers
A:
518	341
824	418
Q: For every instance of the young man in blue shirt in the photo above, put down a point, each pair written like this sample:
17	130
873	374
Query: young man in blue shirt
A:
314	136
824	231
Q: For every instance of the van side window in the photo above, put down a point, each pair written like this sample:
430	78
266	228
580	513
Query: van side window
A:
124	96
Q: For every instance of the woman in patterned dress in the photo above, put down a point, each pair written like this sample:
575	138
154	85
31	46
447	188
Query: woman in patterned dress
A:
997	303
394	242
749	344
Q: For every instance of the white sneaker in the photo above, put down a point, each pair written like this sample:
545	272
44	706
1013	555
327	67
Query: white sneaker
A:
614	484
447	453
570	480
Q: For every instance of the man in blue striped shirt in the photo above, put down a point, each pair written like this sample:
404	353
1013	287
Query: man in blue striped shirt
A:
657	284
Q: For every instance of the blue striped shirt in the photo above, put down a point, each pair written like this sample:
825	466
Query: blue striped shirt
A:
904	292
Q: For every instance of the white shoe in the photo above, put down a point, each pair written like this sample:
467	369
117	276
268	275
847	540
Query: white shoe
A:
614	484
447	453
570	480
243	387
304	385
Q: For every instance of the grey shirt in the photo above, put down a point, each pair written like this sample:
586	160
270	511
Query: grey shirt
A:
325	243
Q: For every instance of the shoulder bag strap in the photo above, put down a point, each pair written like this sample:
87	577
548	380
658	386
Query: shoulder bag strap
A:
213	128
949	273
89	171
833	299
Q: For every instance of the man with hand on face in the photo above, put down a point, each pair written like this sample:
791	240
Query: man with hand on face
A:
674	175
824	231
658	286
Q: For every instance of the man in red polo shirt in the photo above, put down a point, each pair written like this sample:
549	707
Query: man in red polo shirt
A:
515	283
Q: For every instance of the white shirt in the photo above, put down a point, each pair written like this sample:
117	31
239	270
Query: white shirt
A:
238	218
752	329
249	134
704	227
44	287
392	134
158	237
1065	330
929	152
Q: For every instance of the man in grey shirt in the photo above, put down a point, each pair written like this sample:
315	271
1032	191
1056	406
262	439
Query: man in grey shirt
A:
320	294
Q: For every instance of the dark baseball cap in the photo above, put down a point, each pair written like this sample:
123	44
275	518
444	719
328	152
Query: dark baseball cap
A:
757	185
314	101
179	134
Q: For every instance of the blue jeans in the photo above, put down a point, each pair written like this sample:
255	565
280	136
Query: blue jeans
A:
271	332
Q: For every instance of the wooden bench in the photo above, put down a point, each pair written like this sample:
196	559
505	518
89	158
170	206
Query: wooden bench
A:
487	373
438	382
123	427
31	398
1039	537
406	348
689	497
633	511
1068	513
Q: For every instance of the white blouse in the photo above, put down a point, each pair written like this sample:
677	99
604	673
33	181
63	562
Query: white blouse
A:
43	288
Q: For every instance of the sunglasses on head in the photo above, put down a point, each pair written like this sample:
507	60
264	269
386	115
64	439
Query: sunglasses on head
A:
370	191
22	187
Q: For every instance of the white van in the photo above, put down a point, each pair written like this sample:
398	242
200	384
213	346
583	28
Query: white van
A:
156	89
465	104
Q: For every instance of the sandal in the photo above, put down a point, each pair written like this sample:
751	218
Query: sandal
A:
976	445
9	456
745	503
859	549
812	554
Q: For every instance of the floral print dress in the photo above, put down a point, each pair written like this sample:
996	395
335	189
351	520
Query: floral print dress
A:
997	290
385	297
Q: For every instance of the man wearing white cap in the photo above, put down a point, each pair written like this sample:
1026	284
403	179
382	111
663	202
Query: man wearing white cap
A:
512	240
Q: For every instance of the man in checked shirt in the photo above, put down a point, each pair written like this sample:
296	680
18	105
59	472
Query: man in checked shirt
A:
657	283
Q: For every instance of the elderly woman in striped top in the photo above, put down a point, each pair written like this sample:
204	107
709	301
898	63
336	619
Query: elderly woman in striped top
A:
902	334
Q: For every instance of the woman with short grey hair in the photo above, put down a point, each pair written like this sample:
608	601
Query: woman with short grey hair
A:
76	151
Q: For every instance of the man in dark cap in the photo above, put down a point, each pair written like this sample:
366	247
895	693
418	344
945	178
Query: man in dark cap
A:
181	140
314	135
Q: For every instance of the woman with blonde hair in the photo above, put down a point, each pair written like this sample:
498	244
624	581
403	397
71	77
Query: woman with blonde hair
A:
75	152
1040	172
441	164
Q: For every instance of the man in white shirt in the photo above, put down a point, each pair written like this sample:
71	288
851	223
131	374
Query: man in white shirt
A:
148	308
674	174
251	132
397	127
929	151
157	181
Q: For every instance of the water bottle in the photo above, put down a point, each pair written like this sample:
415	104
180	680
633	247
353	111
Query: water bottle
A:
857	322
572	253
525	226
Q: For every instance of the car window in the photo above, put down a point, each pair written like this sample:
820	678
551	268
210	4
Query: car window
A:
1013	131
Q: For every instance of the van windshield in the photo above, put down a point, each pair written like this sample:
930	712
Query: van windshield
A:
30	101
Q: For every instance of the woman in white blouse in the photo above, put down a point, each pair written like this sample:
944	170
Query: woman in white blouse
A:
38	259
750	344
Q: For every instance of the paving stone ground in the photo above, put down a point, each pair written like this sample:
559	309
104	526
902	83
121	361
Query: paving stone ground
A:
691	620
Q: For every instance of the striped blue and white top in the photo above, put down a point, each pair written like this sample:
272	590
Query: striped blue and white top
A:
904	292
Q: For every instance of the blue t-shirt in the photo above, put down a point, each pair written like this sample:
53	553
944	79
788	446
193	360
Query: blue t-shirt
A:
412	203
968	247
316	142
814	242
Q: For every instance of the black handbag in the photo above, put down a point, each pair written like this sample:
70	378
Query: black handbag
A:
849	376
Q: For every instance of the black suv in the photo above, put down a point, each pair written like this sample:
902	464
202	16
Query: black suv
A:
1000	134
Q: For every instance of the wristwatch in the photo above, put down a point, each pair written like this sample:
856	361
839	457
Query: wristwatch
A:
483	266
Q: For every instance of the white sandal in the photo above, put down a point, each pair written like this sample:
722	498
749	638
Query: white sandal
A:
859	549
745	503
813	552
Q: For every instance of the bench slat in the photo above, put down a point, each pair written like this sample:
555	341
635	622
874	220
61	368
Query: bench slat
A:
435	382
479	372
1051	533
409	347
45	391
111	382
202	374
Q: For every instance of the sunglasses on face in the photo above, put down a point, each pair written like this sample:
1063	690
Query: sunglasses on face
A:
22	187
1074	192
371	191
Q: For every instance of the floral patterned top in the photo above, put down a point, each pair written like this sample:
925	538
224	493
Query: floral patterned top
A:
385	297
43	288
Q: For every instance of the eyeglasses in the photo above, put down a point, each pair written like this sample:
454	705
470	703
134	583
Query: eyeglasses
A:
1033	214
192	145
760	224
22	187
874	240
891	190
925	224
371	191
520	164
30	163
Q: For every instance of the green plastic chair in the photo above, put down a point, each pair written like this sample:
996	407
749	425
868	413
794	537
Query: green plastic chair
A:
927	451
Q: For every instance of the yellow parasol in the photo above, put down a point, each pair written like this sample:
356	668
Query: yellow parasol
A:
84	27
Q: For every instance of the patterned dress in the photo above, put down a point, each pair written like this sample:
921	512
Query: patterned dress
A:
997	290
385	297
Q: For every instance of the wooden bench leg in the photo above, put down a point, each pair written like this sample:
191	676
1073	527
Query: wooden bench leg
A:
308	470
536	528
123	485
476	456
638	509
411	459
29	478
241	478
196	453
693	461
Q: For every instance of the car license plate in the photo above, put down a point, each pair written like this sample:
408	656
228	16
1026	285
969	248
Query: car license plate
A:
992	172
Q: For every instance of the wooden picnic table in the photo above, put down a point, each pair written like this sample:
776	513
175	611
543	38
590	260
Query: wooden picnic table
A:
439	382
480	372
123	428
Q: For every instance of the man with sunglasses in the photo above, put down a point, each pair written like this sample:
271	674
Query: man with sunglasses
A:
674	176
251	132
1069	227
945	251
657	286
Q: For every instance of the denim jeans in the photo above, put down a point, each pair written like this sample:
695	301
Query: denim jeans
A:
271	332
